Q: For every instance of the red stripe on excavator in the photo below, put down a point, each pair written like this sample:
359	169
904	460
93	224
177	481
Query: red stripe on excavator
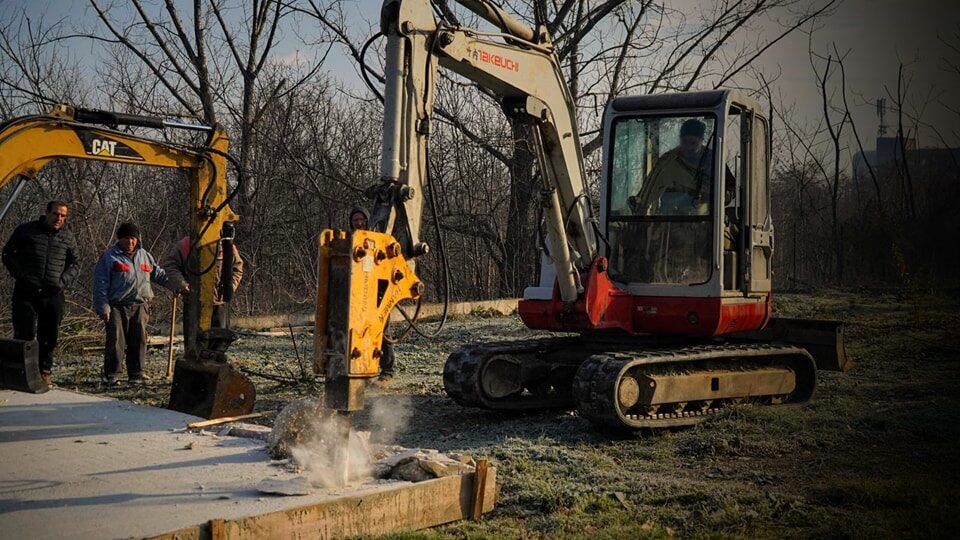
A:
605	307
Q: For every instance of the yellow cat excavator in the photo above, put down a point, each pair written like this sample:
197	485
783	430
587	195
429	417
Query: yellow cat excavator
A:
204	382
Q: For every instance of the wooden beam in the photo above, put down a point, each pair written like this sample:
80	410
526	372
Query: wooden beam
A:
227	419
503	306
403	507
479	489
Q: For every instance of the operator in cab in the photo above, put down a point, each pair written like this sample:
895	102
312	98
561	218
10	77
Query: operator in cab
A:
679	183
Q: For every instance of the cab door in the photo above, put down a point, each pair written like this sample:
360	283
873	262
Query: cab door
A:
758	230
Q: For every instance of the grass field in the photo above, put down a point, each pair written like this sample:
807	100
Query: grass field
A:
873	455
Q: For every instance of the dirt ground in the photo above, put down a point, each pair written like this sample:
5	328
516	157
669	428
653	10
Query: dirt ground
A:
874	454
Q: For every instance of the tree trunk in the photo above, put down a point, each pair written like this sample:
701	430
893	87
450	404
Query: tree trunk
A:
520	244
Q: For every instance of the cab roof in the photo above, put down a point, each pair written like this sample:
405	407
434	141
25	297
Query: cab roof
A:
709	99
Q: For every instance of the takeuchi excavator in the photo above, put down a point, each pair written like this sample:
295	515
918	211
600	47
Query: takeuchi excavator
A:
204	383
665	297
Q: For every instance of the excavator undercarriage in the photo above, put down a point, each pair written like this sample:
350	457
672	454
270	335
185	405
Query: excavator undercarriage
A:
645	382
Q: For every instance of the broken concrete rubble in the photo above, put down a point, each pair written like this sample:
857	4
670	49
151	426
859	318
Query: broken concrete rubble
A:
416	465
303	433
297	425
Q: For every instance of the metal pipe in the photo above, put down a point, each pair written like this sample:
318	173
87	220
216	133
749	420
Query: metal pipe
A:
559	251
184	125
21	181
392	105
173	329
500	18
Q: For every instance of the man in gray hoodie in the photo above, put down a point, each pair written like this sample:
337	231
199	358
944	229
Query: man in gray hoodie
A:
121	291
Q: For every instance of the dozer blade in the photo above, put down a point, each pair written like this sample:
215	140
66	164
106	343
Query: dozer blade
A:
210	389
20	366
823	339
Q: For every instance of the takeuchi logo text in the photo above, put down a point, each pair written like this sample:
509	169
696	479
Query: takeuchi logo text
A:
497	60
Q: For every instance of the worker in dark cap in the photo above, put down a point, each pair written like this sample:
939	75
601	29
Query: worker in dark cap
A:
360	221
121	292
359	218
680	182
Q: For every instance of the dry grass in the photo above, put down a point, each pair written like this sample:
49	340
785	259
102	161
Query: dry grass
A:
873	455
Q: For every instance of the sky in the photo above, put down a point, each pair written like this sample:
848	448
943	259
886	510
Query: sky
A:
875	35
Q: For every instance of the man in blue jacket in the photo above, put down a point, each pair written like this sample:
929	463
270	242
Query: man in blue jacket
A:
121	291
41	255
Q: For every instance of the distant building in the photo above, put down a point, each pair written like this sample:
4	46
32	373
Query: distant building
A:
888	158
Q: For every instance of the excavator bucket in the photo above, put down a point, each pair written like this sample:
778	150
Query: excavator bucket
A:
20	367
210	389
206	385
823	339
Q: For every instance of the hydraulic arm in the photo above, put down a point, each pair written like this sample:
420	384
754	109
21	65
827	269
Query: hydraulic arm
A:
517	65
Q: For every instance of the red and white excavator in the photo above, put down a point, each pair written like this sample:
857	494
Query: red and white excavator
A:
668	290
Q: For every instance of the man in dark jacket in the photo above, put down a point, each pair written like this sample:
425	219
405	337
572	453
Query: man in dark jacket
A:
41	256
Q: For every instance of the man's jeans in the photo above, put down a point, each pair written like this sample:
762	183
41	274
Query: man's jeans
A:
126	339
37	315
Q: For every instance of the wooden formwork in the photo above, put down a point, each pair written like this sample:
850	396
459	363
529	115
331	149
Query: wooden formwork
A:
390	508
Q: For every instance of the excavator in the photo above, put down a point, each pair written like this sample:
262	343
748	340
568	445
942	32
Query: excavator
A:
204	382
663	299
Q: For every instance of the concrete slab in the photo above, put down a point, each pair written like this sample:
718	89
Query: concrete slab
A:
80	466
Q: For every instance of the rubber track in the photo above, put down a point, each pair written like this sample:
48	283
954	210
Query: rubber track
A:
461	374
595	384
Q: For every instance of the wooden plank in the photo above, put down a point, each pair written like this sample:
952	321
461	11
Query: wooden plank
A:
479	489
226	419
217	529
154	342
503	306
189	533
406	507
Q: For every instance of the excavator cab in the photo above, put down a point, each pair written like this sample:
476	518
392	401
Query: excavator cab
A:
685	205
684	212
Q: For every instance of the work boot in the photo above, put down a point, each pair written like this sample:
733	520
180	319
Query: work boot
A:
384	380
110	380
47	378
139	378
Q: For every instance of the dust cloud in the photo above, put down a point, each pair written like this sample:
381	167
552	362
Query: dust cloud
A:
312	437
